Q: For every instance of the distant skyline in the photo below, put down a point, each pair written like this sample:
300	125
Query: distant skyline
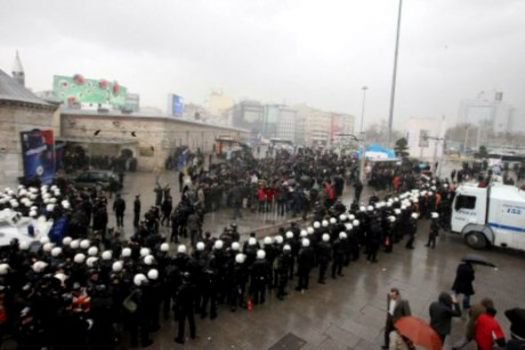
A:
299	51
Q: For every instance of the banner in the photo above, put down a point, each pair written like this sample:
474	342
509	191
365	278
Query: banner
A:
92	93
175	106
38	154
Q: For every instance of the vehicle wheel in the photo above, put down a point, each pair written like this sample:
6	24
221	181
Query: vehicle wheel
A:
476	240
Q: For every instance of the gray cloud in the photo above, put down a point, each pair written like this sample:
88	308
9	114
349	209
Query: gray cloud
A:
308	51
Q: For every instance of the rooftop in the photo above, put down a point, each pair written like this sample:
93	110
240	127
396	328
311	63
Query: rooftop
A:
12	91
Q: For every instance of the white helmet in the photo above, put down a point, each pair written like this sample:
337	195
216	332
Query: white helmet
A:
261	254
47	247
84	244
117	266
33	213
370	208
305	242
397	211
200	246
149	259
218	244
289	234
355	223
164	247
287	247
75	244
362	208
342	217
50	207
107	255
239	258
351	217
90	262
236	246
349	226
342	235
39	266
310	230
144	251
414	215
326	237
153	274
4	269
44	240
252	241
333	221
61	277
267	240
324	223
92	251
303	233
181	249
56	251
317	224
66	241
79	258
279	239
24	245
126	252
139	279
392	218
434	215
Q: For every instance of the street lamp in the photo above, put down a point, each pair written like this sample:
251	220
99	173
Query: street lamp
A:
394	76
364	88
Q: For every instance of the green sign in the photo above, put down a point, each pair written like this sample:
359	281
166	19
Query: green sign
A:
92	93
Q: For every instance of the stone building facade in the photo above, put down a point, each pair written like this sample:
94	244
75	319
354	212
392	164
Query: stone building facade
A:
20	110
151	139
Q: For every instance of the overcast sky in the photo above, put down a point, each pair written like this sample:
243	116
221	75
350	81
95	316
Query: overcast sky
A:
317	52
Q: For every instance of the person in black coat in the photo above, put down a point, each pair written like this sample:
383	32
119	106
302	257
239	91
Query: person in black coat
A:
463	282
282	271
119	207
324	252
259	278
305	263
184	308
441	313
136	211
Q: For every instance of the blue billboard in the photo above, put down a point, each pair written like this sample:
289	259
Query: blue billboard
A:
176	106
38	155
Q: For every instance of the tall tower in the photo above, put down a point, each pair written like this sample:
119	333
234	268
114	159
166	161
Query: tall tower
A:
18	70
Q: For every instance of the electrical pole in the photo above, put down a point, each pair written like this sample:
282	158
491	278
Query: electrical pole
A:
394	76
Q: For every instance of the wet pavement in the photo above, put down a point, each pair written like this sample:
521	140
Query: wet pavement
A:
347	313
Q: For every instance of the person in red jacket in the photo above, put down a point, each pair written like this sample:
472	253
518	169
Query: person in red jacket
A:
488	331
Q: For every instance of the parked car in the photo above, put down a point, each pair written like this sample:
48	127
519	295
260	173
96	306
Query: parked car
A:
100	179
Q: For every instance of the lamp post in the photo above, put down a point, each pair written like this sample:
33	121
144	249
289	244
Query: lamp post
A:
364	88
394	76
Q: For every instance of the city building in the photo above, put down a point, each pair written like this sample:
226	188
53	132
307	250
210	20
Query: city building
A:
280	121
488	112
341	126
426	137
132	103
218	103
248	114
317	125
149	138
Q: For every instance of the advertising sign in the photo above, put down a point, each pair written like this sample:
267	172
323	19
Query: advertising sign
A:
175	106
38	154
93	93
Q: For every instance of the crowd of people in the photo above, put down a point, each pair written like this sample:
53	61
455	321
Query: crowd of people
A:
97	289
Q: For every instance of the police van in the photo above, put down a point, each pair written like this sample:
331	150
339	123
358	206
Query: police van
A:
490	216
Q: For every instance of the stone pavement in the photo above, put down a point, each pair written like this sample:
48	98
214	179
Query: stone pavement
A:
347	313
